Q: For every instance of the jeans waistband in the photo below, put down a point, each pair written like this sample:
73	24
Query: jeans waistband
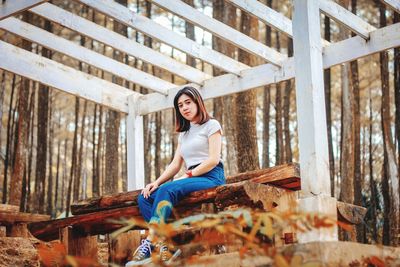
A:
220	164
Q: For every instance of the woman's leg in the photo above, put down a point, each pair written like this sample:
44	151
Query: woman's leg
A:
169	194
146	205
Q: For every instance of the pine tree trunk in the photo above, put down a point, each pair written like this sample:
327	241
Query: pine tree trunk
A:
157	154
246	134
2	90
266	102
189	31
50	185
390	162
286	111
279	148
9	141
372	183
327	86
73	158
396	74
78	170
95	184
217	45
22	132
357	132
113	124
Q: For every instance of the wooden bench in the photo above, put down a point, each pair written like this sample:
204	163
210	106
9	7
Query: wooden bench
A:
14	223
262	189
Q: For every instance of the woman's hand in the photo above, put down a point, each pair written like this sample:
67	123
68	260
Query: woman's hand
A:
149	189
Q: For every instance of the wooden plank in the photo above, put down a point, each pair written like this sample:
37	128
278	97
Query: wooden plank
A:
346	18
53	42
12	7
155	30
79	245
393	4
57	75
310	99
135	145
13	217
222	30
344	51
119	42
351	213
9	208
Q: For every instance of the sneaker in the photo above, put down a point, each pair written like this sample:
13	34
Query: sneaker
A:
142	254
165	255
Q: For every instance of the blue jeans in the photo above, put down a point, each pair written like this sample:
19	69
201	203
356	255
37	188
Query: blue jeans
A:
170	193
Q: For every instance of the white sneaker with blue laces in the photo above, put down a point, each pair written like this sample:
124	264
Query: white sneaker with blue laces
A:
142	254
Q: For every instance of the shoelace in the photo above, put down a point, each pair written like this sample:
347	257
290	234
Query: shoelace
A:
143	249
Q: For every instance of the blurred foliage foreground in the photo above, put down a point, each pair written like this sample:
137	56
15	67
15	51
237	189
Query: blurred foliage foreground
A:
254	230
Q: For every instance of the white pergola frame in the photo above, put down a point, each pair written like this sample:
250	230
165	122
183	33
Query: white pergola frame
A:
311	55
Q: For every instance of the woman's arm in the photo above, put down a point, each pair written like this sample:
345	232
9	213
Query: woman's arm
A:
214	152
172	169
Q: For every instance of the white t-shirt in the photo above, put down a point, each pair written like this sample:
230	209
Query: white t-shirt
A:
194	142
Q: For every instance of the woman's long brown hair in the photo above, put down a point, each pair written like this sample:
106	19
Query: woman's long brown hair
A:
182	124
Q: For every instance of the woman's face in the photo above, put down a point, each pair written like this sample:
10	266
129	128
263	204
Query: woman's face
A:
187	108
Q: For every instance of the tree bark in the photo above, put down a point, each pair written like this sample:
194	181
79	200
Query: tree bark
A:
246	134
390	163
286	111
78	169
113	125
189	31
73	157
50	184
347	143
8	143
357	143
328	107
396	75
21	148
372	183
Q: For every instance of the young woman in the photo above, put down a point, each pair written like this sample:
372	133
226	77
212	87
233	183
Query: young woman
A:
199	147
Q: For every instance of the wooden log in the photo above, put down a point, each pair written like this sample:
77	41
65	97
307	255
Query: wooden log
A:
350	213
93	223
3	231
243	194
8	208
278	175
19	230
12	217
77	244
252	195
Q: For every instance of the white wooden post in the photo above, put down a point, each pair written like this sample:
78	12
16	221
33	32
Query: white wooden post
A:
135	149
313	141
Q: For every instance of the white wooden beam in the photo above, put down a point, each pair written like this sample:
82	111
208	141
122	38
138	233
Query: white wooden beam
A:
266	14
269	16
119	42
64	78
221	30
135	146
311	119
346	18
310	98
155	30
337	53
53	42
393	4
13	7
